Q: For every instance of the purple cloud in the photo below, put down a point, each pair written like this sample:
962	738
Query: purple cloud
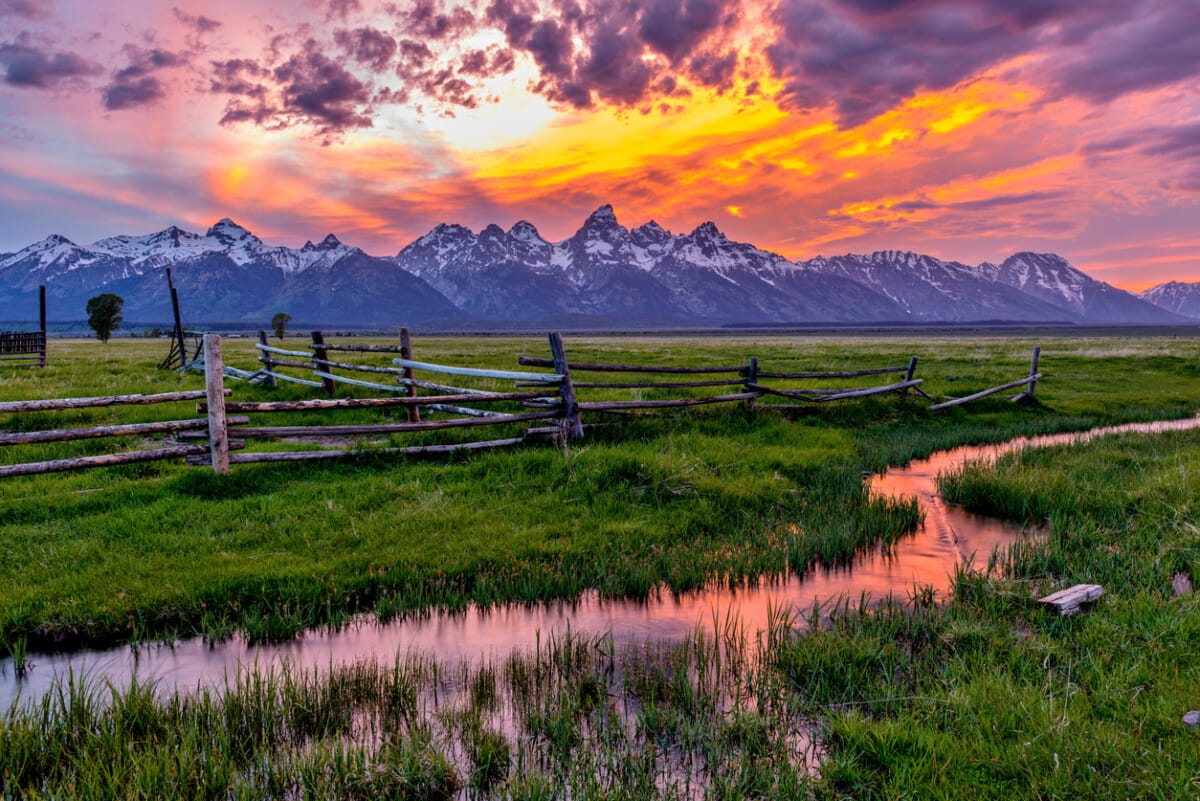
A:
136	84
200	23
342	9
26	9
429	19
29	67
368	46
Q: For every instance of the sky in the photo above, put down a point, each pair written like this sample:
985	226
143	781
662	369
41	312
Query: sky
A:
966	130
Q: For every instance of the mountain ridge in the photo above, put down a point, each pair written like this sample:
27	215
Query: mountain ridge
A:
604	272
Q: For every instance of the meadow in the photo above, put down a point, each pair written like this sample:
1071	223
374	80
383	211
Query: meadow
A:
984	695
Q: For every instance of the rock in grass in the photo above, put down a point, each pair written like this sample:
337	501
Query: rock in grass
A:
1192	718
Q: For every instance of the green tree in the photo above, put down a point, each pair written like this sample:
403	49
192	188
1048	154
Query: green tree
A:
104	314
279	324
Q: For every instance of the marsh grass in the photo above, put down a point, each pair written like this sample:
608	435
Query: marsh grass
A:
664	503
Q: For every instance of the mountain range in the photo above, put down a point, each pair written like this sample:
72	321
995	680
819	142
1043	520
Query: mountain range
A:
604	275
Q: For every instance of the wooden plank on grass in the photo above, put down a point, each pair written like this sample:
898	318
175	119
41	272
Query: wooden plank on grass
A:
984	393
57	404
105	460
97	432
1072	599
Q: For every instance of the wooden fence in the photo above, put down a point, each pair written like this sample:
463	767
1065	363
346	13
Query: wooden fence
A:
553	400
27	346
536	404
142	430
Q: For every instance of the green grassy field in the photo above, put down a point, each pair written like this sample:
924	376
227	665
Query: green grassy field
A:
986	696
162	549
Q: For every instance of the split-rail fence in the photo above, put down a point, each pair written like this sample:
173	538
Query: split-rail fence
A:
528	405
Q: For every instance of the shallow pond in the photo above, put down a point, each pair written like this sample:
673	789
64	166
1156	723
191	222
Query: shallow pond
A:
948	537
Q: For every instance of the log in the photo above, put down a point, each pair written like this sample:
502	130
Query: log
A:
570	406
608	406
820	396
292	380
97	432
318	346
414	414
369	348
271	432
503	375
58	404
414	450
646	384
985	393
290	363
214	382
531	361
265	358
300	354
104	460
1072	599
835	373
317	404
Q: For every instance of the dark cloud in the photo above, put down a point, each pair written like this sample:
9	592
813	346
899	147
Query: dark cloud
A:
136	84
28	66
863	57
308	88
130	93
342	9
239	76
675	28
618	51
1177	146
26	9
1157	46
867	56
430	19
200	23
368	46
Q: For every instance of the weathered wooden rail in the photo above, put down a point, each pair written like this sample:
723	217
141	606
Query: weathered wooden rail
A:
1030	382
167	451
219	439
27	346
550	401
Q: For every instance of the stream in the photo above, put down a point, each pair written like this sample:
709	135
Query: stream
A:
927	558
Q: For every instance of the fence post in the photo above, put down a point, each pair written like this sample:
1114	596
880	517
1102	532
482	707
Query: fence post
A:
214	385
265	358
414	413
320	355
1033	368
908	375
42	323
751	377
567	390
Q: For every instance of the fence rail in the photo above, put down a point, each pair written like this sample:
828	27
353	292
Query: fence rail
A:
219	438
27	346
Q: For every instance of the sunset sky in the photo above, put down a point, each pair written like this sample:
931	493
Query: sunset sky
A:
966	130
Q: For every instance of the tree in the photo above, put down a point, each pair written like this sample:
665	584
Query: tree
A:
104	314
279	324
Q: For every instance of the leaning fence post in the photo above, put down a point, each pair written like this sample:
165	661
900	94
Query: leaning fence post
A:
908	374
1033	368
214	386
320	355
265	357
414	414
566	389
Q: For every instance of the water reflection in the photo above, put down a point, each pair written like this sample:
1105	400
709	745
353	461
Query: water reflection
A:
926	559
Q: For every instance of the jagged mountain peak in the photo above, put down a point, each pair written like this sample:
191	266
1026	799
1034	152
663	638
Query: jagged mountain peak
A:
1179	297
707	230
228	232
330	242
525	231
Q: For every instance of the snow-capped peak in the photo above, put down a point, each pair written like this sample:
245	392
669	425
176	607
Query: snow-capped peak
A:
330	242
524	231
604	214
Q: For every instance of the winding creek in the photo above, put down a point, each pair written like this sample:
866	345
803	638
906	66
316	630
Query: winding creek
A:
948	537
